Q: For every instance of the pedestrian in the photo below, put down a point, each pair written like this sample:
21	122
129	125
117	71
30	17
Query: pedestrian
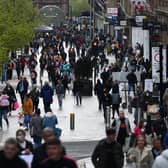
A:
33	77
47	95
157	148
98	90
107	101
27	110
161	161
40	153
132	82
77	89
22	88
141	155
9	156
36	128
60	93
10	92
18	68
55	157
4	106
50	121
25	146
23	64
116	100
108	152
35	94
122	128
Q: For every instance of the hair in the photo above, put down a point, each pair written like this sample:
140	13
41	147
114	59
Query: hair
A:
54	141
141	136
22	131
11	141
47	129
110	131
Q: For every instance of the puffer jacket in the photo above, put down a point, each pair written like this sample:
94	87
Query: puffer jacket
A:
162	160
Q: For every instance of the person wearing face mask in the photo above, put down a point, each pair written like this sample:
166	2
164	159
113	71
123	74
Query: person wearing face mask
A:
9	155
25	147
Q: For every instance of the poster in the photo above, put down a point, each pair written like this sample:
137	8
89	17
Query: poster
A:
156	64
148	85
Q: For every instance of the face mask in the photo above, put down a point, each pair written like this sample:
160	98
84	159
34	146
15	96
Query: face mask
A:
20	138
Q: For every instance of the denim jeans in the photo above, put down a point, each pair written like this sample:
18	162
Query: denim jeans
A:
78	98
37	141
26	120
3	114
60	97
131	87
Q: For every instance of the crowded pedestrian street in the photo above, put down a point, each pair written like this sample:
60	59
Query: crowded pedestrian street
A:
83	84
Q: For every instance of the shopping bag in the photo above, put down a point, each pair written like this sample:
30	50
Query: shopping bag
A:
15	105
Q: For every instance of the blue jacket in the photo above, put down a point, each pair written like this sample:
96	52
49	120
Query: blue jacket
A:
50	120
165	141
47	93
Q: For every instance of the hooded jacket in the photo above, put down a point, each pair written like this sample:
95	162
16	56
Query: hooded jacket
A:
162	160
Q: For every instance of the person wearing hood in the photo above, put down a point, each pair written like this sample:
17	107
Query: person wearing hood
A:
50	121
47	95
4	105
162	160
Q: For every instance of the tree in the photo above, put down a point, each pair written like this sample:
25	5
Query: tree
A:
18	18
79	6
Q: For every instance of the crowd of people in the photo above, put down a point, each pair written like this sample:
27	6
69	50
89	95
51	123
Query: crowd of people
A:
144	146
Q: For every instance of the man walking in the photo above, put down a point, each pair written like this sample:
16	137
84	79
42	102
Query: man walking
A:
60	93
108	153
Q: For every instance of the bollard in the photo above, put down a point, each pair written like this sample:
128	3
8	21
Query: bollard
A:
72	121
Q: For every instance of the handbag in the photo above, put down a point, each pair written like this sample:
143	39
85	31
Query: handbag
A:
15	105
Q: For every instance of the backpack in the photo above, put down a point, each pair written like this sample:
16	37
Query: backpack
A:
4	102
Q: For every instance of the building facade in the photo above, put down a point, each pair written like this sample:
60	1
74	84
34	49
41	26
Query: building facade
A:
63	4
160	10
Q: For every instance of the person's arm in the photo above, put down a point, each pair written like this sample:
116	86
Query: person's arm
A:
151	159
95	156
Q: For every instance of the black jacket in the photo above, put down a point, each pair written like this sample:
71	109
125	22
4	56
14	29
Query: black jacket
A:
108	155
15	163
39	156
63	163
131	77
29	146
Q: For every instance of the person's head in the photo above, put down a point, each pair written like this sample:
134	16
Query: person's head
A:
157	144
141	142
54	149
47	134
20	135
111	135
121	114
11	148
46	83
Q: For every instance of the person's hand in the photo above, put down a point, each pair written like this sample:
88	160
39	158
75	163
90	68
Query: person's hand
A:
132	157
